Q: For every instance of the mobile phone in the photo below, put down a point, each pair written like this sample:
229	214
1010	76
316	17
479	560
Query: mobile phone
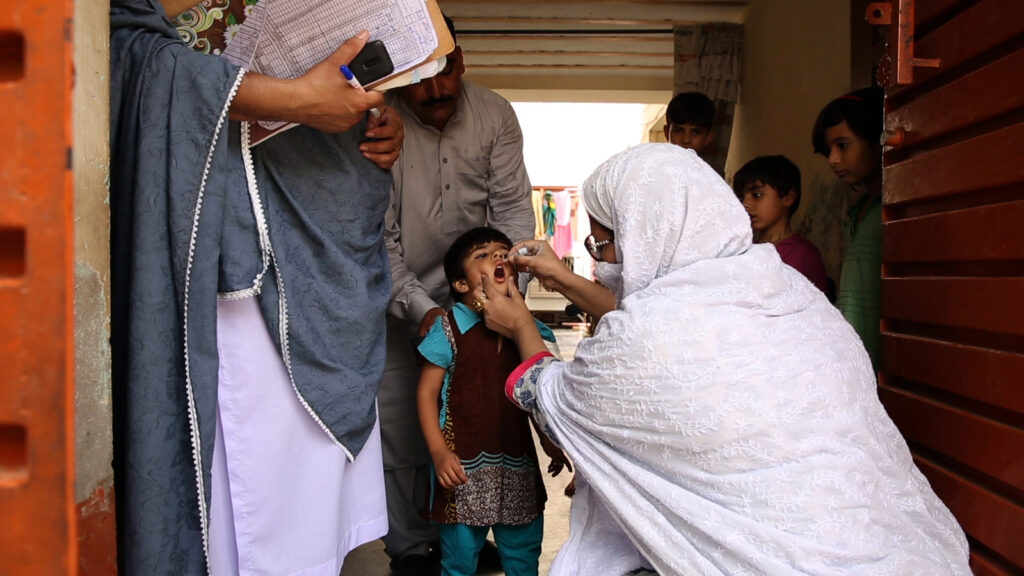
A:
372	63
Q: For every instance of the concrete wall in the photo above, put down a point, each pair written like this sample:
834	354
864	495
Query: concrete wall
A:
94	476
796	59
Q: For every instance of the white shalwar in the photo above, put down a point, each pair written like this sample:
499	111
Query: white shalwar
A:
284	501
724	418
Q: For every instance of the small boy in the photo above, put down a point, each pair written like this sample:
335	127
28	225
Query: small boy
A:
688	121
485	463
769	188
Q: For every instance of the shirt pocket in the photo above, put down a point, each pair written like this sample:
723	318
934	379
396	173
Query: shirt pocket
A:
475	165
474	191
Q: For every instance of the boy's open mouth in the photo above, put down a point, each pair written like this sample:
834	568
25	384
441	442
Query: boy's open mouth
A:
499	271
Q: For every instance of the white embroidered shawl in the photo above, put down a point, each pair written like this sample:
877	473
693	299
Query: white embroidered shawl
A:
726	415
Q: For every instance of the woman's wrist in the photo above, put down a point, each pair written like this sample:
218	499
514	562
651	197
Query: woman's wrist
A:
528	337
562	281
524	326
298	100
266	98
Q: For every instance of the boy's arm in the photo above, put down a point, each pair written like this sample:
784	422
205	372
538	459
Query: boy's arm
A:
447	465
558	458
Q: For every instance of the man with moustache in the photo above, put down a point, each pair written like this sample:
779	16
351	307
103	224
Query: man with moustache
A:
461	167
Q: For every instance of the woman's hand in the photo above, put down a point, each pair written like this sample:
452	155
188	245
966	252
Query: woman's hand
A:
506	313
553	274
331	104
385	135
504	310
540	261
321	98
449	469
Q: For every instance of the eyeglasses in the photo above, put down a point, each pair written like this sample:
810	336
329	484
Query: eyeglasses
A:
594	247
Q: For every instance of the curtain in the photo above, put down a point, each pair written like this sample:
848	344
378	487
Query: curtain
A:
708	59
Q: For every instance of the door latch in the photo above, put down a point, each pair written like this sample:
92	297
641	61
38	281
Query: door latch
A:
902	35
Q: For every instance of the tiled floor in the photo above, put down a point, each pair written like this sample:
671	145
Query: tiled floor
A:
370	560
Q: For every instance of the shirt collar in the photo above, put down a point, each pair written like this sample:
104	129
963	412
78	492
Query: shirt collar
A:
466	318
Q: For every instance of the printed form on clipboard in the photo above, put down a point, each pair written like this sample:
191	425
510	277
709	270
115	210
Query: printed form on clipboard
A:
285	38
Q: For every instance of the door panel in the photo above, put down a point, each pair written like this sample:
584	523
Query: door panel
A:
952	374
973	234
982	29
958	433
987	161
992	521
986	304
931	14
37	506
982	95
938	364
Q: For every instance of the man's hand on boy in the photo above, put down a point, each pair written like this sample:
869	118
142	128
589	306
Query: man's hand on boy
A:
449	470
384	137
428	320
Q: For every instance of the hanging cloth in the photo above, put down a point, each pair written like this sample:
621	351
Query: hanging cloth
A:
563	216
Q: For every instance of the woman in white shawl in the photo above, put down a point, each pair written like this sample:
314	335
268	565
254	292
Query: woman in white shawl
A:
723	417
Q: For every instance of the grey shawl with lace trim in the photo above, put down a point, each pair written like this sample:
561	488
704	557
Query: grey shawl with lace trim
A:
184	229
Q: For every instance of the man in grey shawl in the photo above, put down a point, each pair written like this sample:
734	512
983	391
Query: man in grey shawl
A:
249	291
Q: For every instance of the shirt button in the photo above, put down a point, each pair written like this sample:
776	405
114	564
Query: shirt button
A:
445	160
447	186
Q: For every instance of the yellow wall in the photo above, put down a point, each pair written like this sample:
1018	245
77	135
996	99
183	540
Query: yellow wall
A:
796	59
93	438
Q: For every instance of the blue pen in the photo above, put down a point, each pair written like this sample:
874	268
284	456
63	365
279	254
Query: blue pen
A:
354	82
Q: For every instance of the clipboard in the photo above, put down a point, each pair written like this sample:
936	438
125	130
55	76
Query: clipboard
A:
259	131
445	45
207	29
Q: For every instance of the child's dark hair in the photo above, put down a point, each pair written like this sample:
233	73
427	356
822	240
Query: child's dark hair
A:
862	111
691	108
463	247
778	172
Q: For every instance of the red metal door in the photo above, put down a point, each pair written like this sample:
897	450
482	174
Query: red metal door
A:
953	265
37	530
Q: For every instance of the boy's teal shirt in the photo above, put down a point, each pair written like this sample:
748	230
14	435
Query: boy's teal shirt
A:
436	349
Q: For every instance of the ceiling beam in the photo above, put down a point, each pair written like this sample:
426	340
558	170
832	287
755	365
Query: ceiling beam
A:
493	39
464	13
563	67
590	94
657	3
583	32
582	82
566	53
568	44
